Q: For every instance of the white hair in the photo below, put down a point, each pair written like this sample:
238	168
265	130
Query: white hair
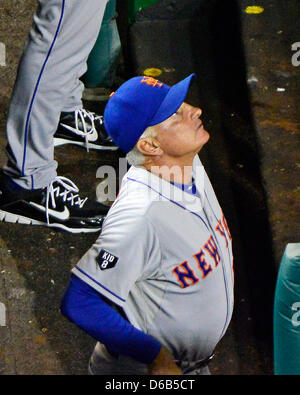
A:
135	157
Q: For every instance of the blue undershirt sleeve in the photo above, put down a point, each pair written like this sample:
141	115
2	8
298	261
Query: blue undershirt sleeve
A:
85	307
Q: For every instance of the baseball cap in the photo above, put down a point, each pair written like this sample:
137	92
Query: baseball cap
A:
139	103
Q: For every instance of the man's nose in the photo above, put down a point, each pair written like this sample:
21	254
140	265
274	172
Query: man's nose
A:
196	113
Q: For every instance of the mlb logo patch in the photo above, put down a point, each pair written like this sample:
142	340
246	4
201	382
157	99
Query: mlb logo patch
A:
106	260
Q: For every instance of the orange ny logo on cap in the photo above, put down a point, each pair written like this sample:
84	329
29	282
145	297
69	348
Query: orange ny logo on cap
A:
152	82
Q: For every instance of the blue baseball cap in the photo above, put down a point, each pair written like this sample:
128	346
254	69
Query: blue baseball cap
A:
139	103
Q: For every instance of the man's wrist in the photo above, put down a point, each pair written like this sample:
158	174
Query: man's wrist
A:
164	364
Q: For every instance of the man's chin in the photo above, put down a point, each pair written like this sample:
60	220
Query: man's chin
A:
204	139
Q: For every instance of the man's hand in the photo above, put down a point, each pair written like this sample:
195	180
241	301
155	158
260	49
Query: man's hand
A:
163	364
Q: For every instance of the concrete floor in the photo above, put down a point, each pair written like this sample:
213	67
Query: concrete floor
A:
253	156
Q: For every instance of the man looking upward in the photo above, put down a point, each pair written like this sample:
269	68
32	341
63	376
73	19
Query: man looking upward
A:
156	289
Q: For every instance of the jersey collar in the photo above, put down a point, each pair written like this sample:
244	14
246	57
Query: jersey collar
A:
167	190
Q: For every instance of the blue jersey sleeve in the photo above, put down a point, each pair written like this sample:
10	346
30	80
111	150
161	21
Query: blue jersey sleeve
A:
86	308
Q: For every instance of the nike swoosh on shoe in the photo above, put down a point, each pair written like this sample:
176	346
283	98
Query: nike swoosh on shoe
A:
91	137
61	215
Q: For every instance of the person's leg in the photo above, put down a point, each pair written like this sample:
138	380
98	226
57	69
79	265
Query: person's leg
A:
62	36
77	125
47	83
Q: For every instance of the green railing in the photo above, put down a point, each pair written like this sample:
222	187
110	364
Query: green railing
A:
287	314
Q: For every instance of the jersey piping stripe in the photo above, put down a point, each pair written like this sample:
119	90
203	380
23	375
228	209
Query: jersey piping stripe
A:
177	204
230	256
37	85
102	286
224	275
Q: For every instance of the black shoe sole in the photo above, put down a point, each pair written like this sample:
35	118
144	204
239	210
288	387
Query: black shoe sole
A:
6	216
61	141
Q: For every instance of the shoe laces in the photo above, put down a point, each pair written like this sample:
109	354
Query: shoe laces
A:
65	189
82	115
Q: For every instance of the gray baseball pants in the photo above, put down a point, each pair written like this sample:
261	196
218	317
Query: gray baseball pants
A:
55	55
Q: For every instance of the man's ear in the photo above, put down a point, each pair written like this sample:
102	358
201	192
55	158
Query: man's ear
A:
149	146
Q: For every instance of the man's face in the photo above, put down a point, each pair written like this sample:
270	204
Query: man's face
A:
183	133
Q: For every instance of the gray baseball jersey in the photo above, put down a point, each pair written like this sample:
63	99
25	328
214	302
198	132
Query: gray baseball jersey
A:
165	257
62	36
